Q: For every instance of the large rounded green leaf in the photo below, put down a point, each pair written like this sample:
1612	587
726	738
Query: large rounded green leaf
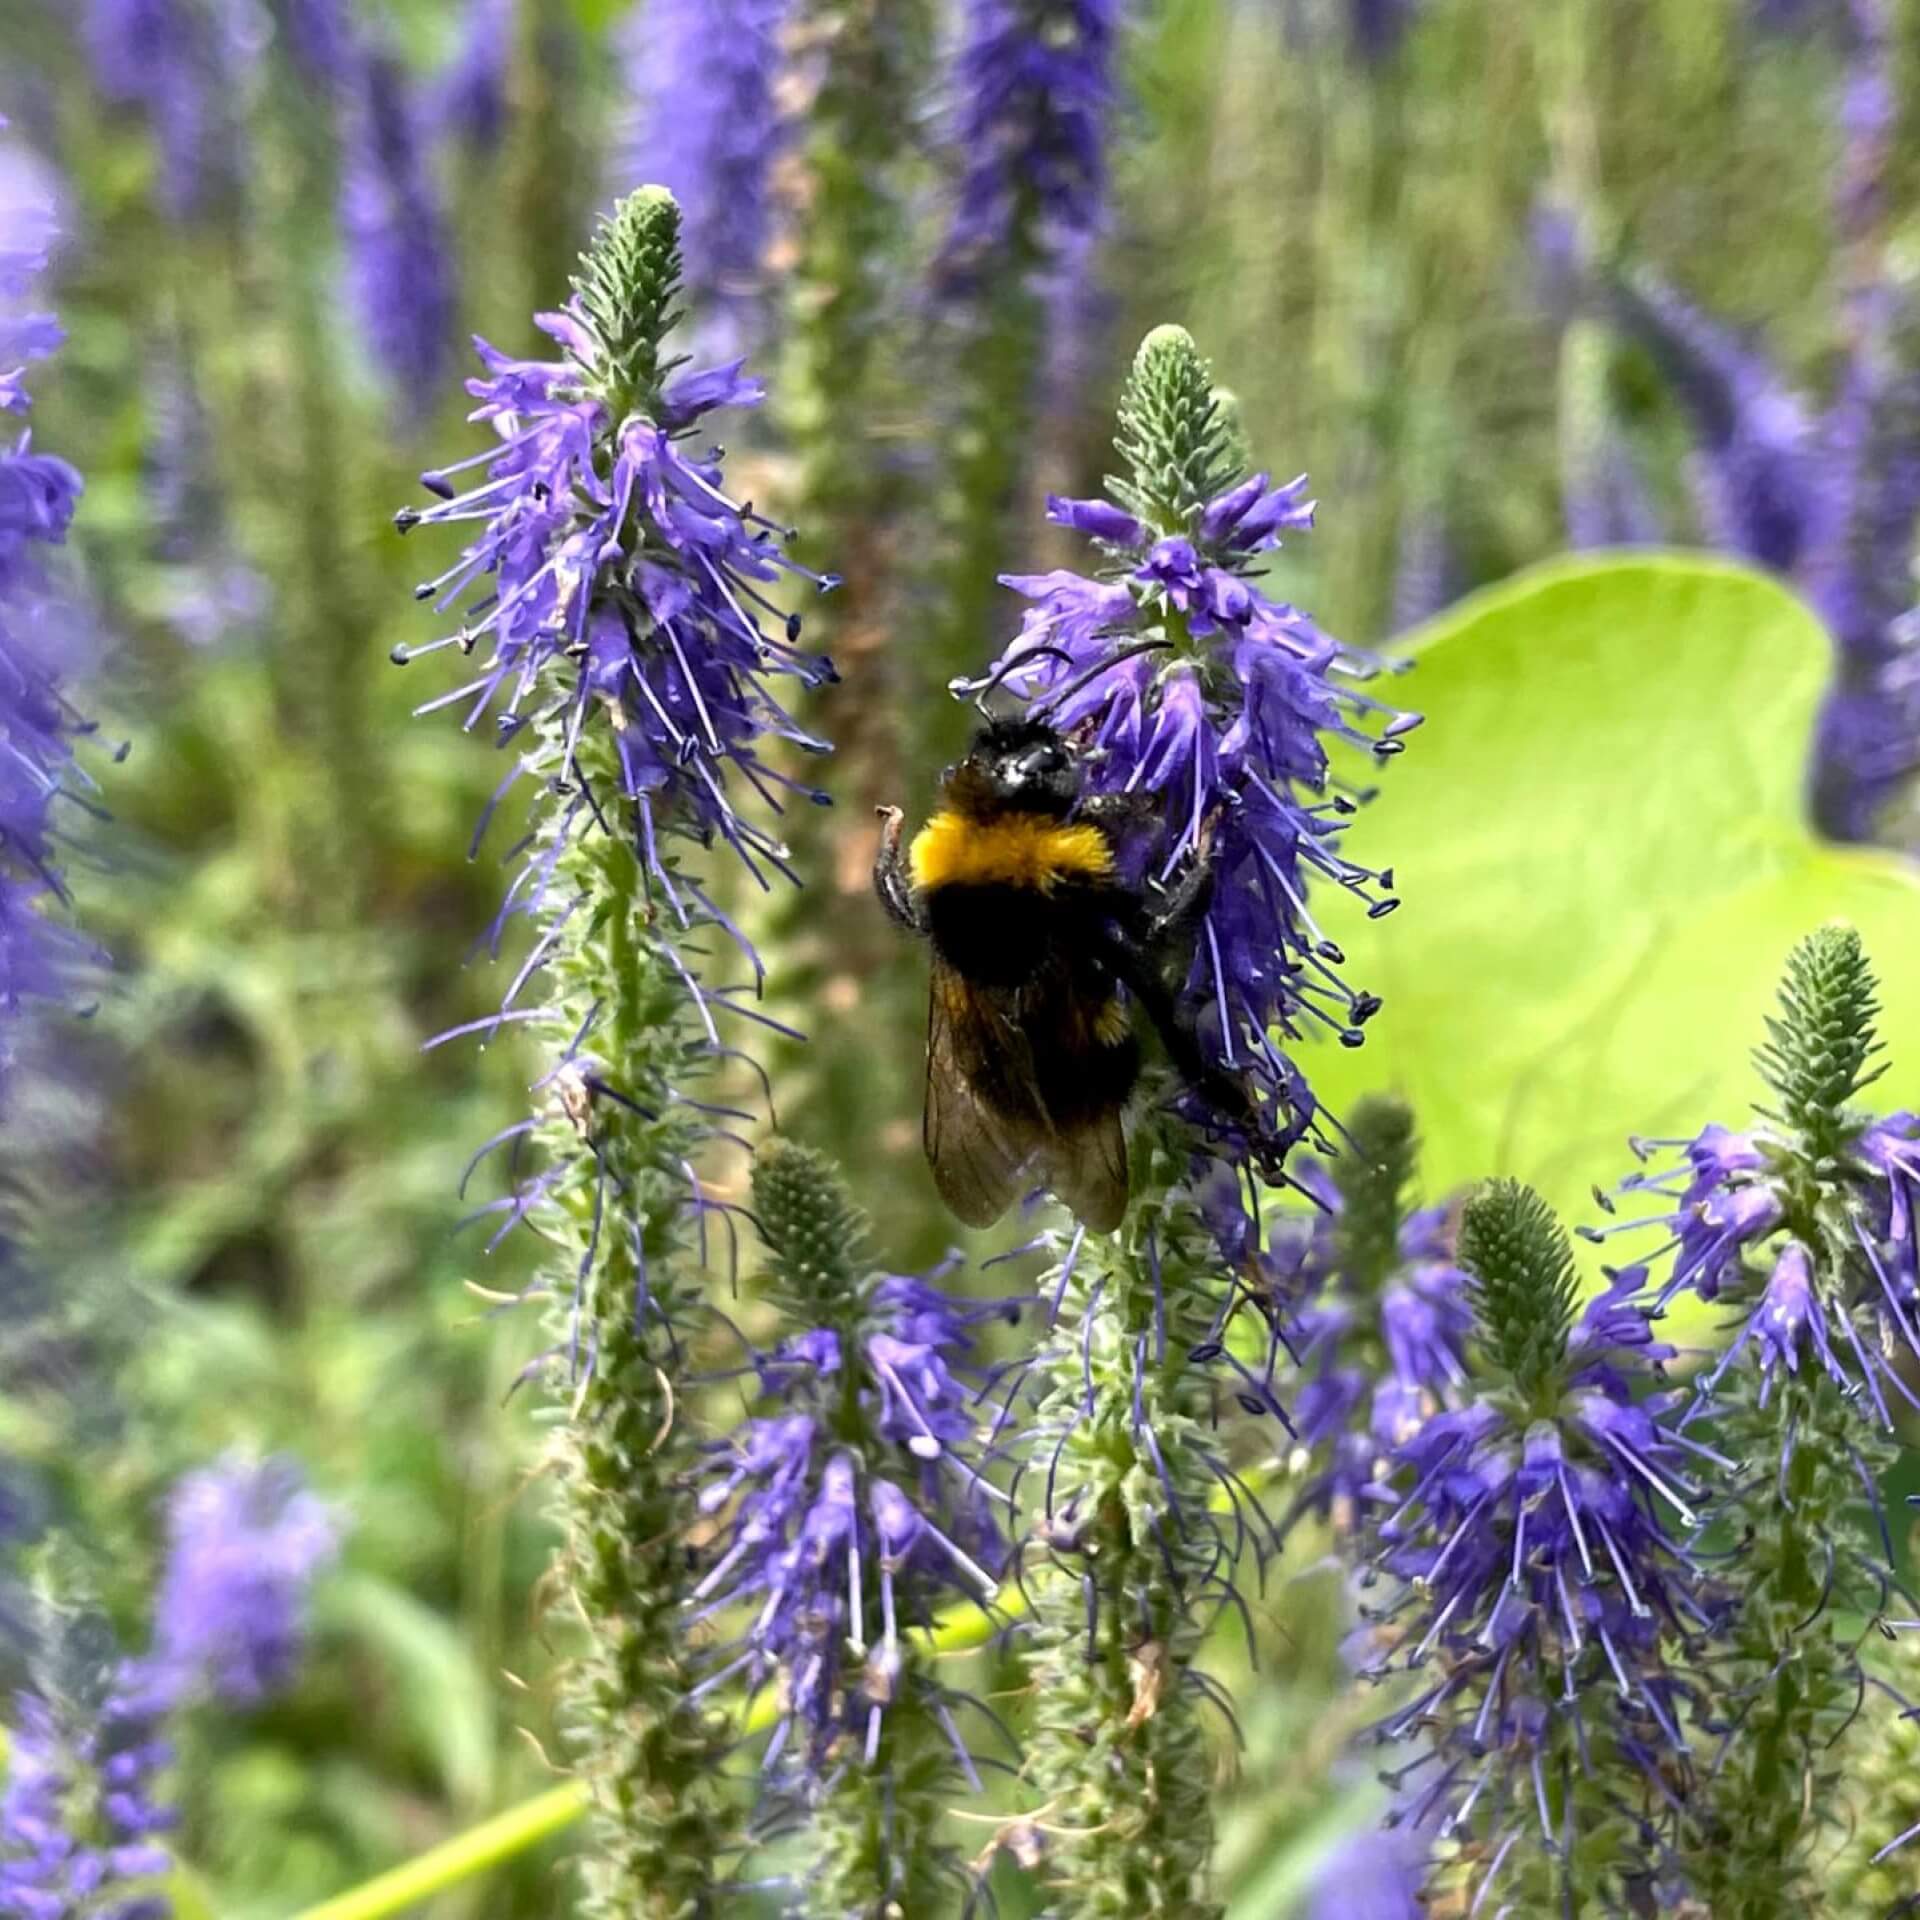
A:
1599	844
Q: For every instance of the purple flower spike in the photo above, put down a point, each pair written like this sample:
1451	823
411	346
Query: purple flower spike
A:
81	1817
829	1547
245	1542
470	97
169	59
39	640
1034	90
707	126
1756	439
1187	683
399	261
610	573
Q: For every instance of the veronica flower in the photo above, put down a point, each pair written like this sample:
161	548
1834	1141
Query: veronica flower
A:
1370	1876
830	1546
320	39
171	59
1803	1224
1192	688
610	573
245	1540
619	603
1364	1296
1754	471
399	263
1538	1569
1033	86
38	726
706	125
1376	28
81	1813
470	97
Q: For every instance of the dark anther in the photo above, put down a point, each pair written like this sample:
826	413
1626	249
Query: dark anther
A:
793	626
1330	950
398	654
1352	1037
1365	1006
406	519
1381	908
424	591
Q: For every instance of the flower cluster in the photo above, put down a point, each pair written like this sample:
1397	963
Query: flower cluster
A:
614	577
816	1521
844	1512
1034	86
81	1815
706	125
178	63
1371	1309
621	603
1804	1223
470	96
1530	1540
1831	499
245	1540
400	266
1754	475
1193	689
38	493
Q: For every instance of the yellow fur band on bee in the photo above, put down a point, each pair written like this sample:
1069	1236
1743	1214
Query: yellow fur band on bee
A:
1017	850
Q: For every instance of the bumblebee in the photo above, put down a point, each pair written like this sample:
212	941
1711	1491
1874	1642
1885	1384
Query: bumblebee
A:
1041	951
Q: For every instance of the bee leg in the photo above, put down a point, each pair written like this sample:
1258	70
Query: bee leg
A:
891	879
1118	810
1180	1035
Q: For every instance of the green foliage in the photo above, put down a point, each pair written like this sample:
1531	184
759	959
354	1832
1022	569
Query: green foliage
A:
816	1238
1372	1176
1822	1038
627	283
1599	843
1180	444
1116	1754
1525	1290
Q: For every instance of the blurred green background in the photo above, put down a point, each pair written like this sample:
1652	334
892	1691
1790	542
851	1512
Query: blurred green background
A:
242	1169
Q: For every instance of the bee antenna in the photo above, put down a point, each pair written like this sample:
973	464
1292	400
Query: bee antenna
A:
1093	673
981	688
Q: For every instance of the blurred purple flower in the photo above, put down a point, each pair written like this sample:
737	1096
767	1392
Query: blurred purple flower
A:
38	726
399	264
1370	1876
1034	90
1723	1203
1755	467
1532	1534
614	575
706	126
1426	573
811	1520
1373	1356
320	40
172	60
470	96
1375	28
1227	729
80	1815
244	1541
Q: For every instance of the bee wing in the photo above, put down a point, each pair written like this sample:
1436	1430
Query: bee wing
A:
977	1156
1087	1170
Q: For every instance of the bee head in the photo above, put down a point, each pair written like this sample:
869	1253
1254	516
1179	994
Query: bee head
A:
1015	765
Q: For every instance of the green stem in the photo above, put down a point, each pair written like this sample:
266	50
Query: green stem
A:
513	1832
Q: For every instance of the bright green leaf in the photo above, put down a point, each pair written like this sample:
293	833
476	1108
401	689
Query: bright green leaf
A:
1598	840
